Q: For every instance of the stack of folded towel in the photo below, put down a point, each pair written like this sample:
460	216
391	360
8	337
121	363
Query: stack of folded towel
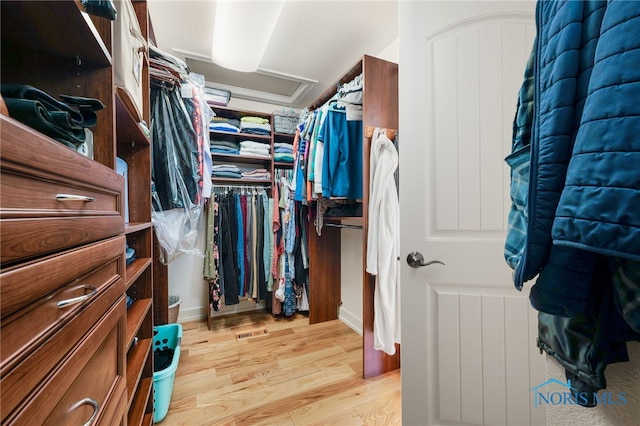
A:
255	125
225	147
350	98
283	152
253	148
227	171
257	174
223	124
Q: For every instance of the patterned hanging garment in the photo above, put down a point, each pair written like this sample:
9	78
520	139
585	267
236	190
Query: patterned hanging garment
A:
215	283
289	305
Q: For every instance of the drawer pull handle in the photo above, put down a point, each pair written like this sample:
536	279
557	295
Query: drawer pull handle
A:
74	300
88	401
71	197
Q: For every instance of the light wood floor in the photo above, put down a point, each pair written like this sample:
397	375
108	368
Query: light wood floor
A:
297	374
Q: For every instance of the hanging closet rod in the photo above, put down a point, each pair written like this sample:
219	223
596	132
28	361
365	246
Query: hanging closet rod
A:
241	187
340	225
368	132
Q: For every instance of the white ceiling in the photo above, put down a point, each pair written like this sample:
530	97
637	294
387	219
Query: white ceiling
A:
314	43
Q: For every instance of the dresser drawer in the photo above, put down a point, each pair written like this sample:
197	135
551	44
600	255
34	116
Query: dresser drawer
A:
24	239
27	282
52	198
82	386
28	154
39	336
115	413
30	326
40	196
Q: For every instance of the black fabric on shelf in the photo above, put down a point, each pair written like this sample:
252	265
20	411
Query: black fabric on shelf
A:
62	121
103	8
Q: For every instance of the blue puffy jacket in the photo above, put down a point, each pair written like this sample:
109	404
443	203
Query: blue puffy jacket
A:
579	219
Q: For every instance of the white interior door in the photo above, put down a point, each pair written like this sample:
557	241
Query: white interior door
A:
469	352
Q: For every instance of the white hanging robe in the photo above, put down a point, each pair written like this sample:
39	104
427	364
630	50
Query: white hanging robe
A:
383	242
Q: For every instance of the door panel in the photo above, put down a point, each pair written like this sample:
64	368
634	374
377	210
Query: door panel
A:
469	338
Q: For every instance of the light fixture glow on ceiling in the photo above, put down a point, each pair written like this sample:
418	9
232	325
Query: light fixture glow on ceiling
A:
241	32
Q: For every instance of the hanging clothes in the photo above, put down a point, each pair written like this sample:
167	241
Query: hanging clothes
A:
342	163
181	158
383	242
175	150
211	258
236	253
290	269
229	235
575	196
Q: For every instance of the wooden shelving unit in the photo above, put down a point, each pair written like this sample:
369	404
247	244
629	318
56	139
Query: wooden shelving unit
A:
242	160
380	109
57	47
134	147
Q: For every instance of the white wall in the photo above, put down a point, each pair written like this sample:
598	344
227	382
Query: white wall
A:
390	53
351	278
185	280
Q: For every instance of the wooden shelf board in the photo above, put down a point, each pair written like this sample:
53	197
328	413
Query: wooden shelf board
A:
135	269
282	165
136	360
136	314
233	181
137	415
240	135
228	112
58	28
147	420
131	227
284	135
127	129
240	158
358	219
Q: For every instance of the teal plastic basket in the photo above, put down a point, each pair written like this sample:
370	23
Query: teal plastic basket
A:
165	336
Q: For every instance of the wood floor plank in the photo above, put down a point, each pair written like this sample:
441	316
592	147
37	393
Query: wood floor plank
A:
276	419
229	421
346	417
298	374
295	399
196	383
251	371
309	353
343	399
340	358
184	412
385	409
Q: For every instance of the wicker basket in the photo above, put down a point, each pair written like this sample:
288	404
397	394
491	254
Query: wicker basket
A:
174	308
285	121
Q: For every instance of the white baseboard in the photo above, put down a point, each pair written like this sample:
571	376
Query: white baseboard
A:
200	313
353	321
193	314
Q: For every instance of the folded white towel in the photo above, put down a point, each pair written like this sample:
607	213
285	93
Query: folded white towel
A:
256	145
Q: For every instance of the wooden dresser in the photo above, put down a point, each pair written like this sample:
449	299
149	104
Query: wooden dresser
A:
76	324
62	289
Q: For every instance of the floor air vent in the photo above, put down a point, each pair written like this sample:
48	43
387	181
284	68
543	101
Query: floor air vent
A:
249	334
